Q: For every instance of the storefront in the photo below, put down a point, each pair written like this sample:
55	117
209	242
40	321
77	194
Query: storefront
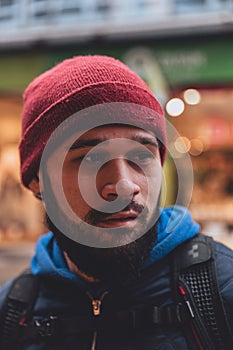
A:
205	126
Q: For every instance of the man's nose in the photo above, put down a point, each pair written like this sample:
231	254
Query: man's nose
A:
119	181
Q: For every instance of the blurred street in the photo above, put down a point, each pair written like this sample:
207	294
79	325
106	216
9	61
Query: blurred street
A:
13	259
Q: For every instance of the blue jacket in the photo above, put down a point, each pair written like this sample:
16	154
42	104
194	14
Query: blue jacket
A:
69	298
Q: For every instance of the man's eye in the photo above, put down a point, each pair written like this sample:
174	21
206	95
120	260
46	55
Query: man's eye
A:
141	156
94	158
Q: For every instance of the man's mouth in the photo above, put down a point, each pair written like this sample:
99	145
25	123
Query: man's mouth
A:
126	219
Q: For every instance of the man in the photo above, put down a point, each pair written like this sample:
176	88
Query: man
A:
93	143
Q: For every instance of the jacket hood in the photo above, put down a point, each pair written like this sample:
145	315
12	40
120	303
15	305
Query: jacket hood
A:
175	226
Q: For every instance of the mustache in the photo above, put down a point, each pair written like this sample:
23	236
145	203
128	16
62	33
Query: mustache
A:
94	216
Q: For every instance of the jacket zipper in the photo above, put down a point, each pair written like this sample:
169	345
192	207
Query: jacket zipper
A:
93	344
96	310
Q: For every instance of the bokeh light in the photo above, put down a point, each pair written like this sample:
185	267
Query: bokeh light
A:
175	107
197	147
182	144
192	96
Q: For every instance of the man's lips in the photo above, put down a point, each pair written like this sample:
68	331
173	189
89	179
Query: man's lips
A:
119	219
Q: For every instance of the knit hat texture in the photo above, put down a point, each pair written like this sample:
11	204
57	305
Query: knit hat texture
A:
72	86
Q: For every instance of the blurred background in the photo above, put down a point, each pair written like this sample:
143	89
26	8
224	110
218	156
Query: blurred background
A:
181	48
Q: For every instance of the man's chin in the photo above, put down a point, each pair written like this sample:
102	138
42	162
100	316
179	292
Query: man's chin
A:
108	235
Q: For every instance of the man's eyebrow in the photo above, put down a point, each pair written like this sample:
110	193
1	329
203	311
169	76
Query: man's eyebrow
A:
145	140
86	143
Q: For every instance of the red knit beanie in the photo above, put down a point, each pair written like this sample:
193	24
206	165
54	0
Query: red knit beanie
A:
74	85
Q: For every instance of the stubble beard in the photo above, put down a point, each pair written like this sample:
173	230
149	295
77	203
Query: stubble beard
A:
119	265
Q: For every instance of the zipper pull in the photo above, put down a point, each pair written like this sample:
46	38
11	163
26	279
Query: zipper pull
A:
96	303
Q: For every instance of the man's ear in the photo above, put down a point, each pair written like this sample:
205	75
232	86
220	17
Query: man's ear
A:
35	187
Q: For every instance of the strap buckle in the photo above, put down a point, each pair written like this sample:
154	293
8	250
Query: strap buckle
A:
46	327
169	314
180	313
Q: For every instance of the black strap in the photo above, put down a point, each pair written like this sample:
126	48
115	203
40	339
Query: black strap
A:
17	308
195	276
19	303
125	320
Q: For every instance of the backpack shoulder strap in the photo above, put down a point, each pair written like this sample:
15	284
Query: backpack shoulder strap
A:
17	308
196	285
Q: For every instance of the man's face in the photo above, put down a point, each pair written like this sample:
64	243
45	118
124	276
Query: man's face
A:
111	179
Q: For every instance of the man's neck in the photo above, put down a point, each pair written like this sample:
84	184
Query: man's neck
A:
74	268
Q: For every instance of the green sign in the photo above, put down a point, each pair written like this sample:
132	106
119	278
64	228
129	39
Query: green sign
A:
187	62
